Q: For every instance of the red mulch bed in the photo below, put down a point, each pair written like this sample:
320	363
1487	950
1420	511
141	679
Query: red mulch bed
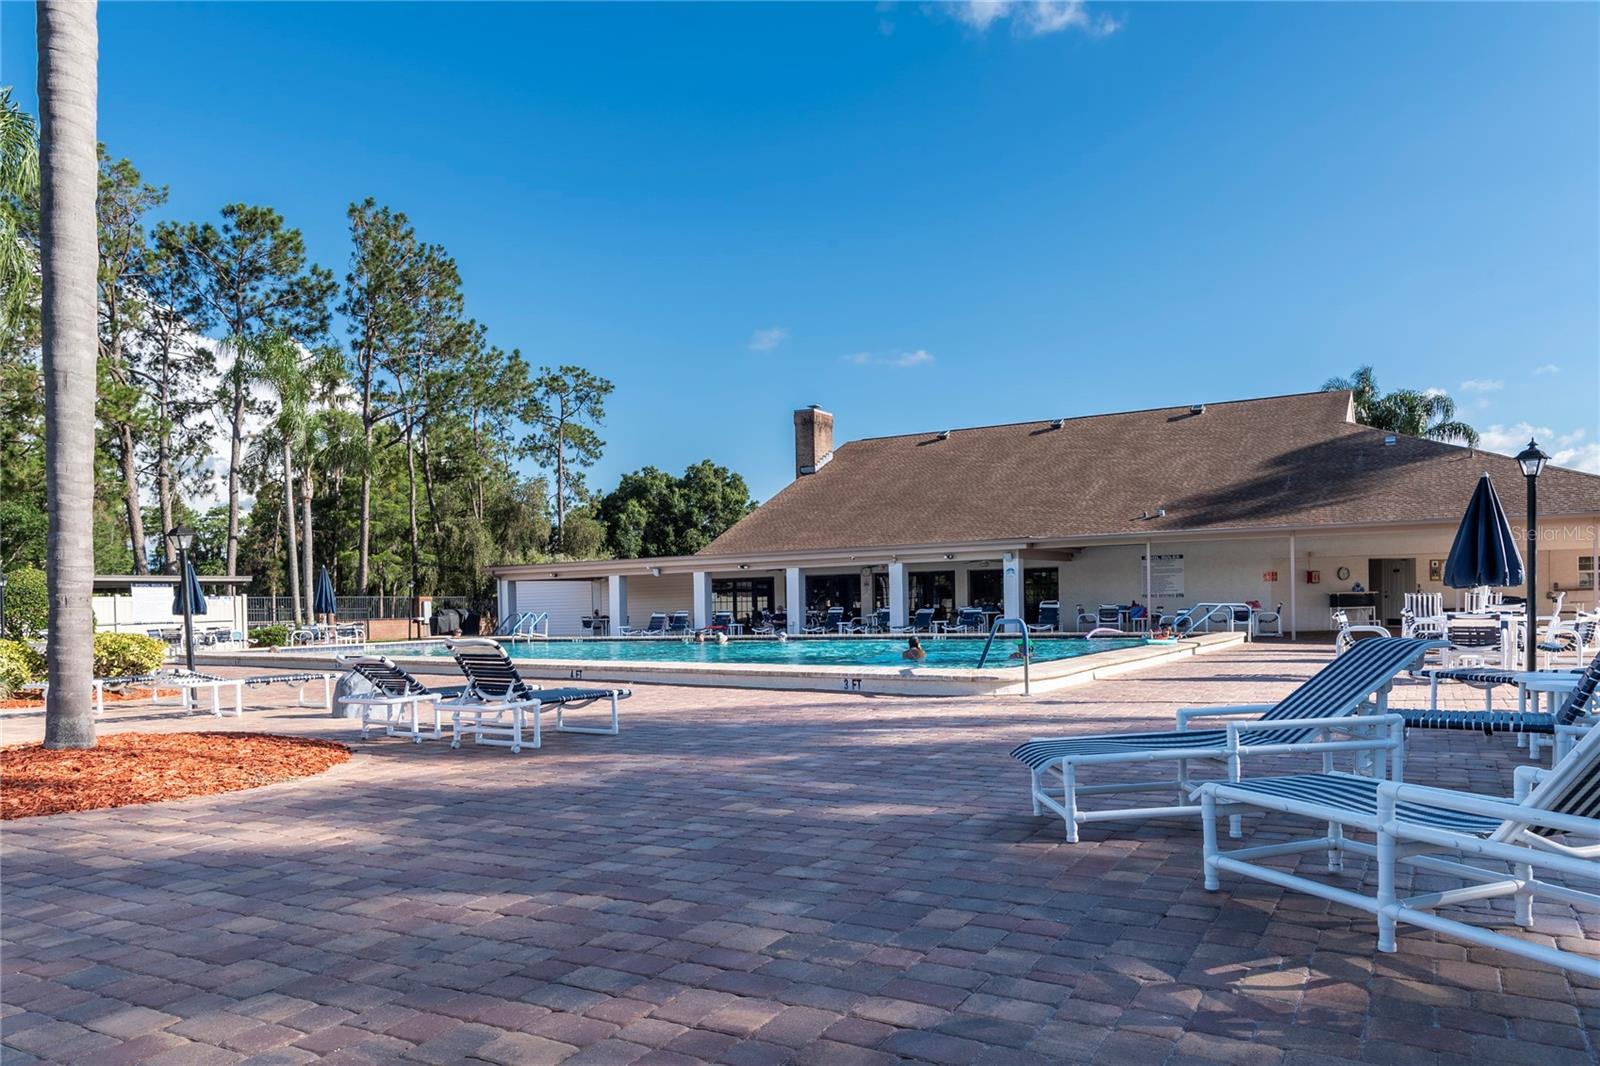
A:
35	698
129	768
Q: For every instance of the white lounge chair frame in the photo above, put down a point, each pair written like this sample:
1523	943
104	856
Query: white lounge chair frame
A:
1367	728
504	721
1521	842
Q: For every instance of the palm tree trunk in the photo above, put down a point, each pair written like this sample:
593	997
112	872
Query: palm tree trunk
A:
288	525
69	265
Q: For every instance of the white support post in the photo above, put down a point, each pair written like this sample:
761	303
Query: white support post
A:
1011	582
1294	582
1149	598
794	598
963	587
617	602
702	599
898	592
867	606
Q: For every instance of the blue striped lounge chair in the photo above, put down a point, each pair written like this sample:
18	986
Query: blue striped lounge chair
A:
1049	618
721	621
1498	847
969	620
502	705
921	622
832	622
1315	718
656	627
679	625
396	694
1573	718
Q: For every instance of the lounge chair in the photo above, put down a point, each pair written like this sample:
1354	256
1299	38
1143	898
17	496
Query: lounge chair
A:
832	622
969	620
656	628
1108	614
721	622
878	622
921	622
1084	620
679	625
1499	847
1568	642
1330	701
1570	721
1347	636
396	694
1049	618
502	704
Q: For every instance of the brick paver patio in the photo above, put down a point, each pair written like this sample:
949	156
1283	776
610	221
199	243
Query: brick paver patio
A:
740	877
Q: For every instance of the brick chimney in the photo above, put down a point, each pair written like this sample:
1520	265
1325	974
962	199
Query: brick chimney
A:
813	440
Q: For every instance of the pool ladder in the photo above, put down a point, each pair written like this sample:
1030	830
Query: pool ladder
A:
1027	648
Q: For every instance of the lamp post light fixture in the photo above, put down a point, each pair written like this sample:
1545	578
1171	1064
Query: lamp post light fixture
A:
1532	461
183	538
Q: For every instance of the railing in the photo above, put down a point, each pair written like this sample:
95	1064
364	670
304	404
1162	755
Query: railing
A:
1200	614
1027	649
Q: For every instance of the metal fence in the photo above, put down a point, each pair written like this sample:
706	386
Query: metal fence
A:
265	610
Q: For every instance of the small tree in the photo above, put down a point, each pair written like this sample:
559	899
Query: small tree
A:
563	407
1429	414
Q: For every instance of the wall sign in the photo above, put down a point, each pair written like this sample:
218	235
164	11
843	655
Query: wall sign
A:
1166	576
1269	576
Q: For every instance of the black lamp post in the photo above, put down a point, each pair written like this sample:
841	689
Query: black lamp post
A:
1532	461
183	537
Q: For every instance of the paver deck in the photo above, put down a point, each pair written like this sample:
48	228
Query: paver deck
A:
740	877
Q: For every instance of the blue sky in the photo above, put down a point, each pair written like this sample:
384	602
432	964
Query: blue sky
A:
923	216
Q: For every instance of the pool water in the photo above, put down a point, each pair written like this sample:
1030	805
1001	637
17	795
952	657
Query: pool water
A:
955	654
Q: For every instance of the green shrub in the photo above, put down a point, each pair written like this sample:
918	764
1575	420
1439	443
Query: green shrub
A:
273	636
19	664
127	654
27	603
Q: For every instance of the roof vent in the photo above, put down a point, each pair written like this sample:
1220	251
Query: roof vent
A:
944	434
1161	512
1197	408
1390	440
1057	423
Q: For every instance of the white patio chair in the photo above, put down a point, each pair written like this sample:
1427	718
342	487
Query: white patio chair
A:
1347	636
1498	847
396	695
1477	642
1347	698
1267	623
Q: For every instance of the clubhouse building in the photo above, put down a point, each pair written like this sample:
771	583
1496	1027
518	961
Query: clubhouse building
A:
1283	499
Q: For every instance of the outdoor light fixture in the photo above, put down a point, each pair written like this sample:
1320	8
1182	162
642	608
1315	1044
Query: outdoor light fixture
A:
1532	461
183	538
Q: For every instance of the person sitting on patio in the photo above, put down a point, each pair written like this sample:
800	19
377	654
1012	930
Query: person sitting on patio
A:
914	650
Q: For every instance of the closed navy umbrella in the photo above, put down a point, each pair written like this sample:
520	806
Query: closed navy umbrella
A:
323	601
1484	552
189	585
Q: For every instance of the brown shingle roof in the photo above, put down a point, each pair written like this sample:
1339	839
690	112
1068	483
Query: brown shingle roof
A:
1287	461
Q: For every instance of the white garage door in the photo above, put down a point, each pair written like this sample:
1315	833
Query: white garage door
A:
566	602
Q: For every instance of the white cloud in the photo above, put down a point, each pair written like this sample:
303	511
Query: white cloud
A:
1031	18
764	340
1547	368
901	360
1482	385
1573	450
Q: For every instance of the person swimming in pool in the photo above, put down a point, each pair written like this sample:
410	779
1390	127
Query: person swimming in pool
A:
1020	652
914	650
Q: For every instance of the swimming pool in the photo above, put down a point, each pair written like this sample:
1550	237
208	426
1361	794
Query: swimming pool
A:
949	653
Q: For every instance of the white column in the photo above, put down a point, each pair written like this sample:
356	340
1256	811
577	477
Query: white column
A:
898	591
1149	605
867	606
963	587
617	601
794	598
1294	583
1011	582
702	599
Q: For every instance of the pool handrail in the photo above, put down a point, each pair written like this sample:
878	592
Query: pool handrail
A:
1027	648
